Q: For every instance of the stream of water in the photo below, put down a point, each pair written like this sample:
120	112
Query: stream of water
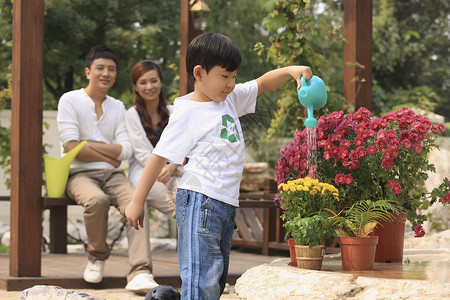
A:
312	147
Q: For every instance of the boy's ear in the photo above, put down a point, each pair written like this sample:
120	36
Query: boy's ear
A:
198	72
87	72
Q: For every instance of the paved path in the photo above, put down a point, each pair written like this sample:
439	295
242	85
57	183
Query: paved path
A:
110	294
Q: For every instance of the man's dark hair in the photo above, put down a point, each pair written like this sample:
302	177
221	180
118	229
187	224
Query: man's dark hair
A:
209	50
100	52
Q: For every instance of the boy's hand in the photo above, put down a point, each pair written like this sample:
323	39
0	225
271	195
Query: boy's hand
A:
299	71
135	215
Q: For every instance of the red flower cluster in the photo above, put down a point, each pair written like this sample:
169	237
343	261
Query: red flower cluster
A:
367	157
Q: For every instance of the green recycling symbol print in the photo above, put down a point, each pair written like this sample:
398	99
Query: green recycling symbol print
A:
229	130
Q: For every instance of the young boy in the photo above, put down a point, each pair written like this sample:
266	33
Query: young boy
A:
205	128
95	180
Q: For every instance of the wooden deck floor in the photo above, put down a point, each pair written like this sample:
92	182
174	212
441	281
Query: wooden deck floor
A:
66	270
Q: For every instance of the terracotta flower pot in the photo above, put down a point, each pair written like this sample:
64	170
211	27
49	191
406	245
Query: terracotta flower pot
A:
391	240
358	253
291	244
309	257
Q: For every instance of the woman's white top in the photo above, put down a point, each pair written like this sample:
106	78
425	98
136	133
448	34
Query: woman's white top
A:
142	148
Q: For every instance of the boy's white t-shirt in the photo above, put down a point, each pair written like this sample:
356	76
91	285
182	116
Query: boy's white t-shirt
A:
210	135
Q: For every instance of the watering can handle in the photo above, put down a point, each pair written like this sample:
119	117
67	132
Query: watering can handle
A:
303	81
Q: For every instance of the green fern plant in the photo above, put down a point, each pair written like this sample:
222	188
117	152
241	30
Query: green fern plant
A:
362	217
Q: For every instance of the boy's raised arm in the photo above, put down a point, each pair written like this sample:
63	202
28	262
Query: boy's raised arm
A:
135	210
275	78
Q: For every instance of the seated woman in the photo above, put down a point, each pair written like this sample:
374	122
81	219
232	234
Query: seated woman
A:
145	122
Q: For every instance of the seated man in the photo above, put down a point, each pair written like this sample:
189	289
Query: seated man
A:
95	180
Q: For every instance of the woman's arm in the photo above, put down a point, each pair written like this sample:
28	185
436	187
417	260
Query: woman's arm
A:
168	171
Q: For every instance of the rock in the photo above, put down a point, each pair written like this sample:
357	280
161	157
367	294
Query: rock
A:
115	223
279	281
163	244
431	240
76	231
6	238
43	292
376	288
159	224
441	160
4	228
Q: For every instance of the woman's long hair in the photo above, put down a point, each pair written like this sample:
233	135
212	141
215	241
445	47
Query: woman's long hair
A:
153	134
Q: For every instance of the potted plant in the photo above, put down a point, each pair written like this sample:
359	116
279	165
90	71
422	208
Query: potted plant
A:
303	202
353	228
367	157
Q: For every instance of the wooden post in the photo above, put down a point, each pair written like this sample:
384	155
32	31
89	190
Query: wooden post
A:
26	138
358	51
187	34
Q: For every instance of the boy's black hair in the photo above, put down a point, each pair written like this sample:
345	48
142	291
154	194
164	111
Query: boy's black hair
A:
100	51
209	50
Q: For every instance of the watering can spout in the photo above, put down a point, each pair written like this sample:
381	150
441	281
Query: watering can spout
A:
57	171
70	156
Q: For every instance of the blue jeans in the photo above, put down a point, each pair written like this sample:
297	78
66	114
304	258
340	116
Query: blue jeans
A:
205	229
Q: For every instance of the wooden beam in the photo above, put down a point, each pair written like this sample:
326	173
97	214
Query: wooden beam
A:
358	52
26	138
187	34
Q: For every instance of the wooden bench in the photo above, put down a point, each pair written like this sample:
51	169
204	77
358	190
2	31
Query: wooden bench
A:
58	221
257	220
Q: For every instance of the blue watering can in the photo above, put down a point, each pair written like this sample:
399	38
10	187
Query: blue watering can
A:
312	95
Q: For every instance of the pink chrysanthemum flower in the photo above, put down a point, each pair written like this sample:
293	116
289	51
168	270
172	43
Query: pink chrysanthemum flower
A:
387	163
371	149
339	178
348	179
419	231
417	148
446	198
345	143
353	165
406	144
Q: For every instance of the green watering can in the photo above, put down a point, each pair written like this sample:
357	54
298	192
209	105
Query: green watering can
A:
312	95
57	171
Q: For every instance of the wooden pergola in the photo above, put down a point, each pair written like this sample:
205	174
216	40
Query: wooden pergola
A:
27	106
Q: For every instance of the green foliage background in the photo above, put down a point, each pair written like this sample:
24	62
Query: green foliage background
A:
410	52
